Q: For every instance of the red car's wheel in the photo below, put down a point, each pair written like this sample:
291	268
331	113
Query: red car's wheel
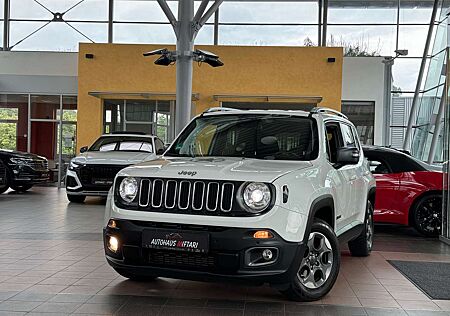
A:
426	214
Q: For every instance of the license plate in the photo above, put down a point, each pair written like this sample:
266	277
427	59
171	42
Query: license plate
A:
175	240
103	182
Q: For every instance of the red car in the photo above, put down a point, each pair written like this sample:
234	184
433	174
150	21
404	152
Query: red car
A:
409	192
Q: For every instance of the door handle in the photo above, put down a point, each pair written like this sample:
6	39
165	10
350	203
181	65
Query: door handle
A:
353	178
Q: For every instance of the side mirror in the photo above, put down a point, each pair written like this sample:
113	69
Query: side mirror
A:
160	151
347	156
83	149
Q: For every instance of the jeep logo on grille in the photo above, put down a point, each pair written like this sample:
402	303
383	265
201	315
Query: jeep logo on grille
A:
187	173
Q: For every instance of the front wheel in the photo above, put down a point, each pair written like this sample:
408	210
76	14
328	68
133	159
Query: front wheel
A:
21	187
362	245
319	266
4	178
427	215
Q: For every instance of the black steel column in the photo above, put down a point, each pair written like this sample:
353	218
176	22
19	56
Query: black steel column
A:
216	27
6	25
110	20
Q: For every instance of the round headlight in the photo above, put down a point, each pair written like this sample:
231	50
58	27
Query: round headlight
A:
256	196
128	189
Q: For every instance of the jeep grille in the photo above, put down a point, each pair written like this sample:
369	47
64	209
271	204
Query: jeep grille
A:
206	197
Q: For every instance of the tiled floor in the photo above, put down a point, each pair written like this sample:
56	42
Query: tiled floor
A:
51	261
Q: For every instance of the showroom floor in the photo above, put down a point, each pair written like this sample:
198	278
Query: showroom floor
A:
51	261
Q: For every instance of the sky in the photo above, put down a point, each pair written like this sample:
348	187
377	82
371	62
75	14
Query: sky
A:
380	39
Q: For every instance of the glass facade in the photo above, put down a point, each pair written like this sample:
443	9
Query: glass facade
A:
145	116
364	28
32	123
427	143
446	144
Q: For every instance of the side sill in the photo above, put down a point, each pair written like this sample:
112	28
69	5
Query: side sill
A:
351	234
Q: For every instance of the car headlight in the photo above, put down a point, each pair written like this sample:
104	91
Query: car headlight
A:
128	189
256	197
74	165
20	161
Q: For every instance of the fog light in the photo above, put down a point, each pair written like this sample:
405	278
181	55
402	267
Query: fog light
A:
267	254
262	234
113	244
112	223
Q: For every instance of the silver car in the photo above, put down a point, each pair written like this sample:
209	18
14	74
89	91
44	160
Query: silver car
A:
92	172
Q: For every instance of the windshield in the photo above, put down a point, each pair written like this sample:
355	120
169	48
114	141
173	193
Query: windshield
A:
272	137
122	143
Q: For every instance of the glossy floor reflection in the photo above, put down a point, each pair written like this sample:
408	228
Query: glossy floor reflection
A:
52	262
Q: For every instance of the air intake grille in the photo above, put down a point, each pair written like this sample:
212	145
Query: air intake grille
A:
189	196
38	164
181	259
99	174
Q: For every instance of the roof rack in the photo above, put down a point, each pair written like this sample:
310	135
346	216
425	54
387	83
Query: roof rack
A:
327	110
127	132
219	109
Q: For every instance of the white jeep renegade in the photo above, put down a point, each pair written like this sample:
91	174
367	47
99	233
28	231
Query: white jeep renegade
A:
255	196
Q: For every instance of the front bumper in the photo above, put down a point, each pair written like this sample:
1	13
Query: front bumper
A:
22	174
226	260
75	187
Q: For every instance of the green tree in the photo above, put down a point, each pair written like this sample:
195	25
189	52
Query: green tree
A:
8	130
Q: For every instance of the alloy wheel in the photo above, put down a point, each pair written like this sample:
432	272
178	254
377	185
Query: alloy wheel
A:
369	228
317	261
429	215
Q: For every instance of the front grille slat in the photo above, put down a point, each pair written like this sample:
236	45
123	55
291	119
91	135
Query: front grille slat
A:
144	192
157	193
212	196
184	195
188	196
226	197
171	194
198	194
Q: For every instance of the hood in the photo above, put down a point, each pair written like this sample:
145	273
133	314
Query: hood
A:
113	157
215	168
20	154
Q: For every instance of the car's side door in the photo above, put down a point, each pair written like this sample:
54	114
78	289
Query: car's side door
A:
387	184
387	188
339	178
354	174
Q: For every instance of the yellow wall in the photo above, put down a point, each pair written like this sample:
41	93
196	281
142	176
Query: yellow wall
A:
247	71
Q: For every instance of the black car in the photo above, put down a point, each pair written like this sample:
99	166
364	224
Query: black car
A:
20	171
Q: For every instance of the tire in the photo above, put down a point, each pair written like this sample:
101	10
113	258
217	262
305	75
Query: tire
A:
21	187
76	198
305	288
426	215
4	184
362	245
135	277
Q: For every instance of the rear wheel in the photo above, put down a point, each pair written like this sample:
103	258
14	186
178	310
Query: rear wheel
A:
135	277
21	187
426	215
76	198
362	245
4	178
319	266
